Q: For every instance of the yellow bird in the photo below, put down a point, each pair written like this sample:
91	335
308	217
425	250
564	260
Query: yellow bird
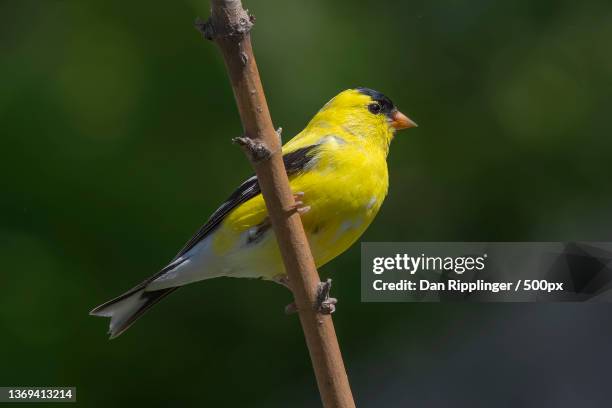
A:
337	166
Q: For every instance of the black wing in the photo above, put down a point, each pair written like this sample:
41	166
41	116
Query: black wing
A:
295	162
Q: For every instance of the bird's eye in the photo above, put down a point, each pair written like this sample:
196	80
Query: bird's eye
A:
374	108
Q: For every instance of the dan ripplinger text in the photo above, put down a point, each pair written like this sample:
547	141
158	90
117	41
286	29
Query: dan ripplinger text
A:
450	285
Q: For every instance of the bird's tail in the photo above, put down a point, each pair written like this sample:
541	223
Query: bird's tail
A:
127	308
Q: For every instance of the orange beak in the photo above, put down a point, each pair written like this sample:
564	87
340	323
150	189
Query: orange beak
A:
400	121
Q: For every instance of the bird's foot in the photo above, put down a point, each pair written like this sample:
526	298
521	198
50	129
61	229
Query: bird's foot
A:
299	206
323	304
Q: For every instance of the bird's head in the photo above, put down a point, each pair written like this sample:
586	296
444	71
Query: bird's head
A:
364	114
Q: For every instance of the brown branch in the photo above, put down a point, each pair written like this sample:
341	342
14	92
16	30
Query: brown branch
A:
229	27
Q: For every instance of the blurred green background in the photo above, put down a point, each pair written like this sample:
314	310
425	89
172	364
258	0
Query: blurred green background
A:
116	119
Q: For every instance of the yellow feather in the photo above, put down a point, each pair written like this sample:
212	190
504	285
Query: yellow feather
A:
344	188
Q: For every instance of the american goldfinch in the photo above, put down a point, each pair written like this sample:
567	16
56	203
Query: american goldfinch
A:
338	169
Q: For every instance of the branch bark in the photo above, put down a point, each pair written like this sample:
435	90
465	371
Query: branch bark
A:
229	27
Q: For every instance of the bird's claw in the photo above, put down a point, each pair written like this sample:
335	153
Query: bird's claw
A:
299	206
325	304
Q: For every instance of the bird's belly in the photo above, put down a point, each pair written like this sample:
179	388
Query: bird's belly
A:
331	225
331	236
340	211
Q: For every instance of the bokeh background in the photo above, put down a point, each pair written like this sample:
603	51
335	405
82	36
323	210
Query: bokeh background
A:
116	119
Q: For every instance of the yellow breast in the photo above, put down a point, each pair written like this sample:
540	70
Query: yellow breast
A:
344	190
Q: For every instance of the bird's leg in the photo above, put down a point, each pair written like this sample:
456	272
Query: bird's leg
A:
325	304
299	206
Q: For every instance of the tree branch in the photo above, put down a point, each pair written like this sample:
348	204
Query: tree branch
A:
229	27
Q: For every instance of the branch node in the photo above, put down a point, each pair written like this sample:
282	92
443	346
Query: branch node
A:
205	28
257	151
237	23
279	133
244	58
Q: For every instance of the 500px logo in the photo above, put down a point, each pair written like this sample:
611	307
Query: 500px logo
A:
412	264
